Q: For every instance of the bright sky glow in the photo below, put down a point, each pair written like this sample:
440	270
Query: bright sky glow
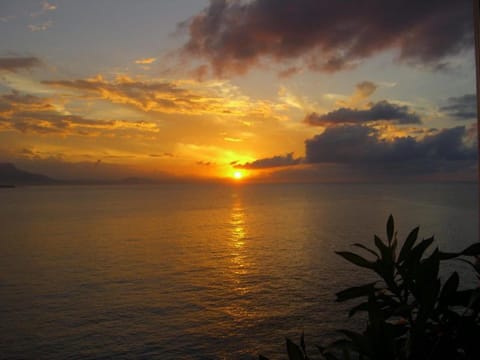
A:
165	89
237	175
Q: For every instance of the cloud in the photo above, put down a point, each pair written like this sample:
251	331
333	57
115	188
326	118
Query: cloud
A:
46	7
462	107
380	111
272	162
145	61
169	97
232	139
14	64
162	155
363	145
362	92
205	163
32	114
41	27
326	35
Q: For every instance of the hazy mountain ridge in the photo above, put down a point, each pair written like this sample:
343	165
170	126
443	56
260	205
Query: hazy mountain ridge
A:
11	175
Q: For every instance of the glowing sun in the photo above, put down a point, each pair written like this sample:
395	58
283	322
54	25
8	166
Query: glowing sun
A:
237	175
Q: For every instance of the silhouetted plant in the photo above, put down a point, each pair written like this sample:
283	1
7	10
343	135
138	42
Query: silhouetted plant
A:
410	313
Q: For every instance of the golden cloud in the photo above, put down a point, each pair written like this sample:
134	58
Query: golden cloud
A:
145	61
170	97
29	113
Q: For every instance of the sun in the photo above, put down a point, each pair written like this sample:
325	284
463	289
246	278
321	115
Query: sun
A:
237	175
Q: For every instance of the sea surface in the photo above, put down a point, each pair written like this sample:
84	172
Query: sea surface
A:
197	271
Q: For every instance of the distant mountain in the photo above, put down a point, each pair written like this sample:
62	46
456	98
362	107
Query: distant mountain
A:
10	175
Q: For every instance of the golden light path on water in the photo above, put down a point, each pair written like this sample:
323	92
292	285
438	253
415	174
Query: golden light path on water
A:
239	262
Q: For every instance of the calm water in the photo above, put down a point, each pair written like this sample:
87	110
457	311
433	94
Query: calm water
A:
195	271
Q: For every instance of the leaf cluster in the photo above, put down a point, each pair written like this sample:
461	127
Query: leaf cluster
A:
410	313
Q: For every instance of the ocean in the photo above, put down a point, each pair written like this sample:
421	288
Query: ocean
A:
197	271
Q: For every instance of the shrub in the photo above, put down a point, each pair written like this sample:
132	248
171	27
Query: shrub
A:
410	313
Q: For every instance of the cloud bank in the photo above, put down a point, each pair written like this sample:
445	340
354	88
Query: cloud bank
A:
380	111
327	35
462	107
358	152
32	114
363	145
272	162
168	97
14	64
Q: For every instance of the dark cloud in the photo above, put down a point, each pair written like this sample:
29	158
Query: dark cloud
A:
365	89
14	64
380	111
328	35
165	154
363	145
462	107
272	162
205	163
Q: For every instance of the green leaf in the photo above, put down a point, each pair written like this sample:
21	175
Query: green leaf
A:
407	245
293	350
450	286
361	246
429	268
393	247
355	259
385	251
417	251
472	250
356	291
467	262
390	228
360	307
447	256
427	287
385	267
380	244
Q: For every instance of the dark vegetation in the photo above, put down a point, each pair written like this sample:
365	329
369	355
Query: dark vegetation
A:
409	312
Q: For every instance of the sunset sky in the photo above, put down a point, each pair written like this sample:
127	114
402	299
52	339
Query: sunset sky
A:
278	90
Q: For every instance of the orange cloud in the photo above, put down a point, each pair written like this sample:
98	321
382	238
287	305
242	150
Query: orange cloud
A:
181	97
145	61
29	113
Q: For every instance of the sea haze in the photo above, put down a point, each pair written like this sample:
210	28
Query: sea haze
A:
196	271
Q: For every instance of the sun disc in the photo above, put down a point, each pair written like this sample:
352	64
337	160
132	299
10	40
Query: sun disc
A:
237	175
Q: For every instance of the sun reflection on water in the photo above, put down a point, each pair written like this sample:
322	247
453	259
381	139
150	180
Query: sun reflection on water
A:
240	266
238	235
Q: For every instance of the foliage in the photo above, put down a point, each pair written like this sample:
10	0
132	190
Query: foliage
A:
410	313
